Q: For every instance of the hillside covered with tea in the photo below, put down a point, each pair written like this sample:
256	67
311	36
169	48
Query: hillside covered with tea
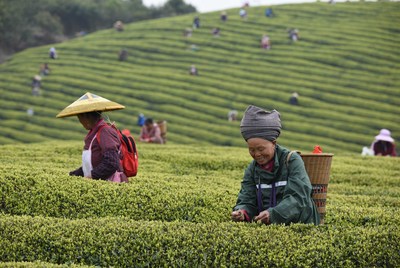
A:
345	68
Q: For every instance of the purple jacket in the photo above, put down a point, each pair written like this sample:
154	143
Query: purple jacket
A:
105	155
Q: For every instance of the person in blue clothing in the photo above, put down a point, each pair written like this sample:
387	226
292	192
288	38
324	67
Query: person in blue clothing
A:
294	99
224	16
268	12
141	120
196	22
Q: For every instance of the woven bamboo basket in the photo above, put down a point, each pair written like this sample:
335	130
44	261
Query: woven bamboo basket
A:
162	124
318	167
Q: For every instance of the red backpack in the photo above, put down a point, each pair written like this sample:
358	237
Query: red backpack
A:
130	157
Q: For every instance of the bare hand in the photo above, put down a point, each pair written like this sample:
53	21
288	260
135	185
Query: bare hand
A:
237	215
263	217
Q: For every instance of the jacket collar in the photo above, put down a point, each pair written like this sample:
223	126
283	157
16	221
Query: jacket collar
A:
94	130
277	157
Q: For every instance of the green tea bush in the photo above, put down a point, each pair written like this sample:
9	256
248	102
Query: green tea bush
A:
184	183
176	212
74	198
37	264
120	242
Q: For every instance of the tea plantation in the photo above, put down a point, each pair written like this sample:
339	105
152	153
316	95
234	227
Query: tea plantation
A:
176	212
345	68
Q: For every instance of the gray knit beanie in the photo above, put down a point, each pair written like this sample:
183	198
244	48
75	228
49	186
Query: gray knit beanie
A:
258	123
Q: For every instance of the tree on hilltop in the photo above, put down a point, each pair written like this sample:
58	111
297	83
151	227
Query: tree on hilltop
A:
25	23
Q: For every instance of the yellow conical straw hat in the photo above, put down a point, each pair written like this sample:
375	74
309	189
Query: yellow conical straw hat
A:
89	103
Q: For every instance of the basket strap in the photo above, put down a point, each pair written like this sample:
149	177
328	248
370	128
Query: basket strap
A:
287	161
288	158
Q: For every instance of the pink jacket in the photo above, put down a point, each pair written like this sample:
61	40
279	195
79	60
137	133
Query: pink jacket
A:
154	135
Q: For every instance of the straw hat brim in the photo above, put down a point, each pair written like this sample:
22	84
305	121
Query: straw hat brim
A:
89	103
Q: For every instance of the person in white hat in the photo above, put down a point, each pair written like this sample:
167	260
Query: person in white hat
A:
383	144
294	99
100	156
53	53
119	26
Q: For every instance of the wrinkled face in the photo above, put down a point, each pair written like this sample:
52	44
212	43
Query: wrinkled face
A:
261	150
86	121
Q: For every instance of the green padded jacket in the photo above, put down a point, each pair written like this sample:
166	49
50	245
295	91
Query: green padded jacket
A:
293	190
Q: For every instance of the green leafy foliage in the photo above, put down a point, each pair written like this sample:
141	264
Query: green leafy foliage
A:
344	69
39	264
25	24
176	212
126	243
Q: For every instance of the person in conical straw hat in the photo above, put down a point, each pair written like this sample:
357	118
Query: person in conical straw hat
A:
100	156
275	188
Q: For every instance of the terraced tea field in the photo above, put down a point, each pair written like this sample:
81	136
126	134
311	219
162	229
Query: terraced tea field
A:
176	212
345	68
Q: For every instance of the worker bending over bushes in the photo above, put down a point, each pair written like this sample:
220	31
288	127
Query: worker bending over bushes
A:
151	132
274	189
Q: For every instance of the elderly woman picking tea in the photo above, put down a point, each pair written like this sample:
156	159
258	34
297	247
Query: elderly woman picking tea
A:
275	188
101	151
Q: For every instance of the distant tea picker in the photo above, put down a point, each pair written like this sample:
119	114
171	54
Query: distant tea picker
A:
104	144
383	145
